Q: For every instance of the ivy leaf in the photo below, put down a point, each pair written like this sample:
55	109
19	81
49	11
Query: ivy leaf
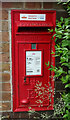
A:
51	30
67	86
51	69
56	29
65	64
59	24
64	43
61	19
63	59
47	64
52	52
65	79
56	39
65	116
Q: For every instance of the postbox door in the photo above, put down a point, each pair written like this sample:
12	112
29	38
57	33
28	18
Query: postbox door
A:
33	83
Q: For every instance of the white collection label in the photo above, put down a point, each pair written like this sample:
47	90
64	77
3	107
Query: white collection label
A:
33	17
33	62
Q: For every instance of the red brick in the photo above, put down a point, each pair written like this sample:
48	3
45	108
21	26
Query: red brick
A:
6	5
4	67
5	36
5	87
57	6
0	36
4	47
61	14
5	96
12	5
33	5
48	5
0	67
0	14
4	77
5	106
0	106
0	47
5	25
16	116
25	115
4	15
4	57
0	25
1	57
8	115
0	4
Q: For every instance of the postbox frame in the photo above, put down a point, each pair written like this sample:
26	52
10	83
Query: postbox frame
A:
16	86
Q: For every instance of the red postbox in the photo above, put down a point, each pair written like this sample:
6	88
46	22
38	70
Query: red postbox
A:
32	44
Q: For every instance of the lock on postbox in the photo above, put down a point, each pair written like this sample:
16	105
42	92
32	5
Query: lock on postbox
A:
32	44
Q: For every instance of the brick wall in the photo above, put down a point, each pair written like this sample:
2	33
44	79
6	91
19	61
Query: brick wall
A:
5	55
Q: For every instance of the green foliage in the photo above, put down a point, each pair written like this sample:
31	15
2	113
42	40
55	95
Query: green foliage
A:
62	47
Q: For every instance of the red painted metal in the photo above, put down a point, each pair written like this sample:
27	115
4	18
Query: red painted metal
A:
24	33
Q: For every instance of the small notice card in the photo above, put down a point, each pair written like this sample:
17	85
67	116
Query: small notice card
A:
33	17
33	62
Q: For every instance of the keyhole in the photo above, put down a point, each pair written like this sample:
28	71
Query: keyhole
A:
25	79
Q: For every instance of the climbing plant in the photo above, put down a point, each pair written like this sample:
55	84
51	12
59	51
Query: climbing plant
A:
62	48
63	51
